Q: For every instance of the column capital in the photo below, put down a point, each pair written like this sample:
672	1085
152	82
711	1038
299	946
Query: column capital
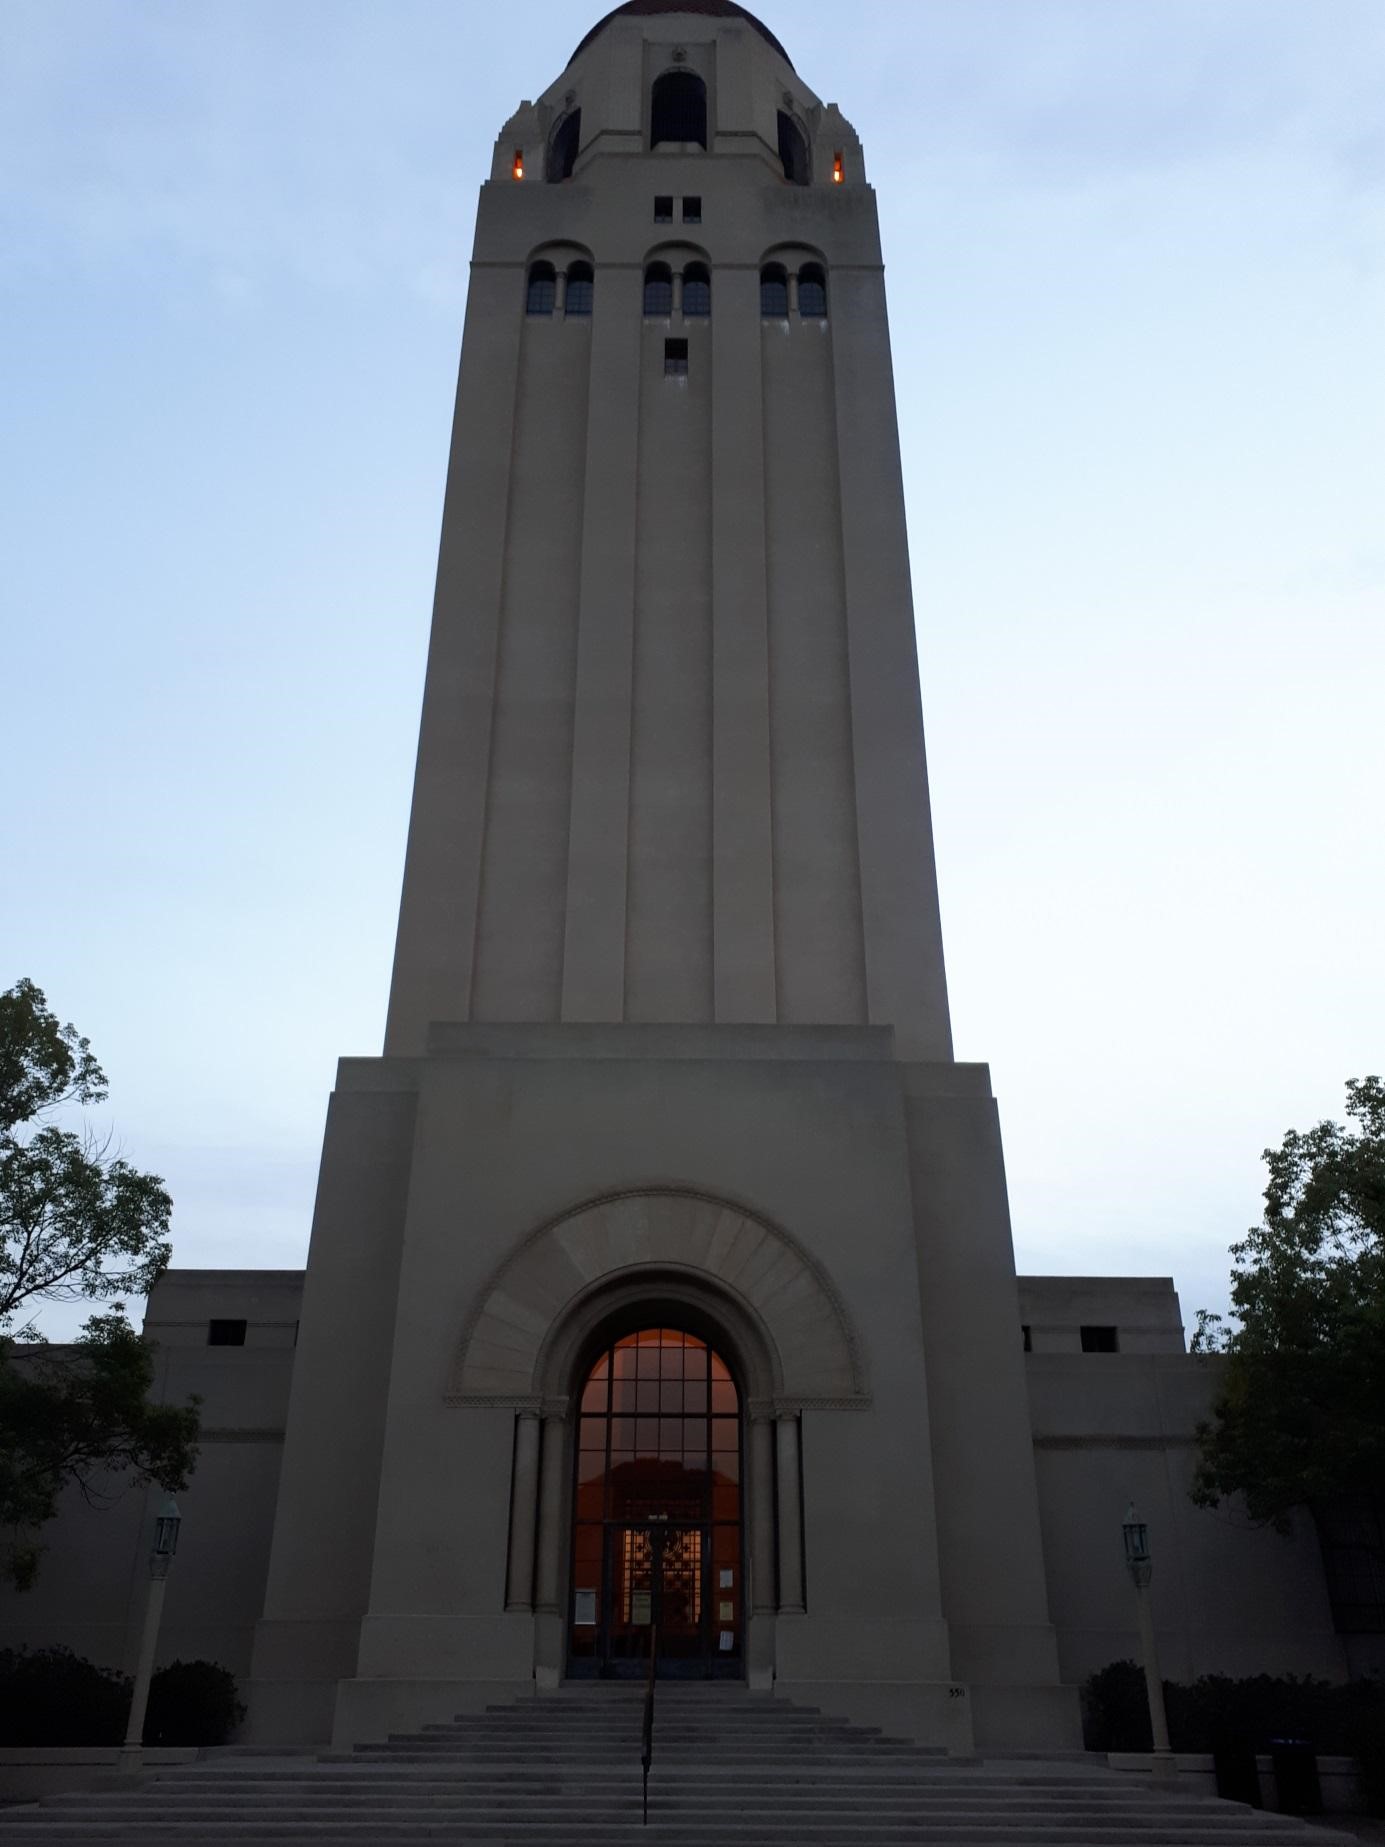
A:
556	1410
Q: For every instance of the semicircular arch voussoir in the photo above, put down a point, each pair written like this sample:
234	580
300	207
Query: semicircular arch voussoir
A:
608	1242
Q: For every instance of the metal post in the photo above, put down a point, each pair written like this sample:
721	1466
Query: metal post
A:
165	1545
1135	1534
1165	1765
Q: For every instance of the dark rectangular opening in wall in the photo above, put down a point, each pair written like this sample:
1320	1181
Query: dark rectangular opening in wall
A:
663	208
692	209
1099	1340
225	1333
675	359
1028	1334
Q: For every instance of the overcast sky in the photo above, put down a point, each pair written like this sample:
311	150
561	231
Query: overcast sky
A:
1137	294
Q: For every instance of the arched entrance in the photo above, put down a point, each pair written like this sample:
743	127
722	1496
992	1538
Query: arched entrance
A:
657	1547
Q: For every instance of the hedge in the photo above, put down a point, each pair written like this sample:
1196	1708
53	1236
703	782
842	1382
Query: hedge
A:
50	1696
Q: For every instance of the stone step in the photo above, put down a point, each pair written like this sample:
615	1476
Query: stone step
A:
564	1773
606	1833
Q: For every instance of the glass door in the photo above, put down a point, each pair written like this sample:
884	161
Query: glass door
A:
657	1512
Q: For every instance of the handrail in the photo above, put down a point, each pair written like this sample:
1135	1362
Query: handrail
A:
647	1736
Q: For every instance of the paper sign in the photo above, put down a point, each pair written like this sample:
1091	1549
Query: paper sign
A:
726	1612
726	1579
584	1608
726	1641
639	1606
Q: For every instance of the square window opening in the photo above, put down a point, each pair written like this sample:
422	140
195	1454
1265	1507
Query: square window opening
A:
663	208
692	209
223	1333
1099	1340
675	359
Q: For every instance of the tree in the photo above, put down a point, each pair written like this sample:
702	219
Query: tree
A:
1300	1419
76	1221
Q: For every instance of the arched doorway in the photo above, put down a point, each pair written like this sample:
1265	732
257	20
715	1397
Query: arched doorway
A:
657	1548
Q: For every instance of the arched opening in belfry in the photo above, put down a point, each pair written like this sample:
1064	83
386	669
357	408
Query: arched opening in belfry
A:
563	147
678	109
658	1555
793	150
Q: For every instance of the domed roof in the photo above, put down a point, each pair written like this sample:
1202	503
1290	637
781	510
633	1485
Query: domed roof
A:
717	9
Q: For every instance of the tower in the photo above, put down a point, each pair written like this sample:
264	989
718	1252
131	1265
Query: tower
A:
661	1267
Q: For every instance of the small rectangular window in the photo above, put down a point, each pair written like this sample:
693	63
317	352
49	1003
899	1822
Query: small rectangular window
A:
1099	1340
225	1333
675	359
1028	1334
692	210
663	208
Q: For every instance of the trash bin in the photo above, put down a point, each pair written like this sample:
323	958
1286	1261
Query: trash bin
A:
1296	1776
1236	1771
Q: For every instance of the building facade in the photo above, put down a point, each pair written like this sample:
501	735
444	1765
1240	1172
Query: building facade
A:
661	1279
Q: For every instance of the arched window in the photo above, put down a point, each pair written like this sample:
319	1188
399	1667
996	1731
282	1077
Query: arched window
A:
793	150
658	289
656	1537
774	292
562	149
812	292
543	289
678	109
697	290
580	288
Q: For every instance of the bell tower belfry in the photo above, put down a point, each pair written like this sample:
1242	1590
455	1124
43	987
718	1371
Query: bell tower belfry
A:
662	1263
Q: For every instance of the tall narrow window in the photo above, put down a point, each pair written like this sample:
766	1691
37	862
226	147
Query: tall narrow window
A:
774	293
678	110
658	289
562	149
580	288
812	292
793	150
543	289
697	290
675	359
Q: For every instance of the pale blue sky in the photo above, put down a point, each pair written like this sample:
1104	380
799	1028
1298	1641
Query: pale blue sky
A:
1137	287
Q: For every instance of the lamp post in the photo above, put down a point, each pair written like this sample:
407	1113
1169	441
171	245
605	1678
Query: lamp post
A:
166	1526
1137	1556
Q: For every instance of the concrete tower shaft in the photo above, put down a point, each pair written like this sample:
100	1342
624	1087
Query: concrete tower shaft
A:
671	763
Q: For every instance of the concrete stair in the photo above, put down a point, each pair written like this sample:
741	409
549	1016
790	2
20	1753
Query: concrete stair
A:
730	1767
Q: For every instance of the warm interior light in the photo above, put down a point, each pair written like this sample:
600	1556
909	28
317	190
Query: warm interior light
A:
519	164
837	175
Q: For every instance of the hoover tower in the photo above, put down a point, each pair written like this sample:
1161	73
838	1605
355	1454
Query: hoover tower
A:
661	1277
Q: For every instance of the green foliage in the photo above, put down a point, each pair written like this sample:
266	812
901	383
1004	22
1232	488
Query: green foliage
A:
1338	1720
1301	1414
75	1222
192	1702
81	1416
49	1696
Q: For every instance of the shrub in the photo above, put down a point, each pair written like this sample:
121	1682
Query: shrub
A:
1338	1720
49	1696
1115	1713
192	1702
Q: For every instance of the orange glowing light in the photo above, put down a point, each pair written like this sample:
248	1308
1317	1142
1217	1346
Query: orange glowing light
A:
837	174
519	164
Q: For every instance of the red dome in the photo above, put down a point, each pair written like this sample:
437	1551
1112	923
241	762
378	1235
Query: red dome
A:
717	9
